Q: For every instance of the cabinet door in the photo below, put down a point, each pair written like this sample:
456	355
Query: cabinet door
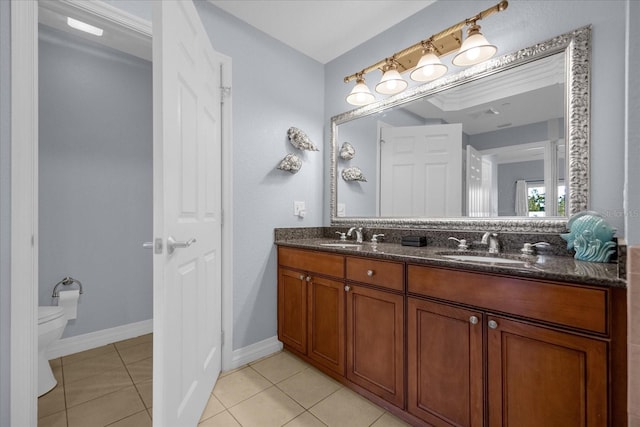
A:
445	372
326	323
540	377
375	349
292	309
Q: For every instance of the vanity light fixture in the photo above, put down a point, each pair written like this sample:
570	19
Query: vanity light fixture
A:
475	48
423	58
83	26
391	81
360	95
429	67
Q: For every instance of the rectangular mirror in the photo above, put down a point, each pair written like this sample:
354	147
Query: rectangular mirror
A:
488	147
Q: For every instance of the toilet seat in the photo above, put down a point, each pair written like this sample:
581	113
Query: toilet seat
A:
49	313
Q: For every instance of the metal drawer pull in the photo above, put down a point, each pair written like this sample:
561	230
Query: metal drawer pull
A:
370	273
493	324
302	277
308	278
347	288
473	320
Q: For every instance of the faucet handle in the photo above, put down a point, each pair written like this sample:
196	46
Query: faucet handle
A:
374	238
528	248
462	243
343	236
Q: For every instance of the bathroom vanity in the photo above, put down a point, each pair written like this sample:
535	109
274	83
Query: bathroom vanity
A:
443	342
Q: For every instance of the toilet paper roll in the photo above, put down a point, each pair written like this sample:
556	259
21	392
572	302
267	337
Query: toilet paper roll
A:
69	300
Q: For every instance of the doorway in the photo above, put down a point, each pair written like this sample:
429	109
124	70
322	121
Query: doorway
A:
25	204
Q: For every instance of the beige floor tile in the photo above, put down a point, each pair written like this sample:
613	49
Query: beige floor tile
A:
145	389
106	409
234	388
59	419
346	408
98	351
225	373
389	420
140	419
260	359
141	371
309	387
305	419
279	367
223	419
51	402
91	366
136	353
89	388
121	345
213	407
269	408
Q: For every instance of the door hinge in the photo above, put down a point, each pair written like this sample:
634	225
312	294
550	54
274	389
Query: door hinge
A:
225	92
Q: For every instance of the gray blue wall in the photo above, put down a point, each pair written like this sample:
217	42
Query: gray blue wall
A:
632	158
274	88
524	23
5	211
95	179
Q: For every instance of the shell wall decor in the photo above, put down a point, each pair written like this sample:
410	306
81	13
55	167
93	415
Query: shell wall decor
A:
300	140
290	163
353	174
347	152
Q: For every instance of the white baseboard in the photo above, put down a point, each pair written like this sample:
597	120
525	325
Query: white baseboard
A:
252	352
78	343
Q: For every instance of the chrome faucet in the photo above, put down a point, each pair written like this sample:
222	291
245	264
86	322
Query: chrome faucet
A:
491	239
358	233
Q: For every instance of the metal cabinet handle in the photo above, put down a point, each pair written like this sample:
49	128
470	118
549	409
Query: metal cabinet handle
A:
493	324
308	279
172	244
347	288
302	277
473	320
370	273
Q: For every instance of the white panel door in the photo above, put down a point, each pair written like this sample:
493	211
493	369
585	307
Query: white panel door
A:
420	171
475	199
187	208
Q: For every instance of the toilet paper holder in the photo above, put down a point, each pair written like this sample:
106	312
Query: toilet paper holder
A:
65	282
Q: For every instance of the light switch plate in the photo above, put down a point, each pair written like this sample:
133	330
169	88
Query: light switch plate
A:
298	207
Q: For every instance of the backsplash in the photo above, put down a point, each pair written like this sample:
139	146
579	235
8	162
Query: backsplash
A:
511	242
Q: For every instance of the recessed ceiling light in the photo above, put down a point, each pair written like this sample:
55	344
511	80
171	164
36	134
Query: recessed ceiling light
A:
83	26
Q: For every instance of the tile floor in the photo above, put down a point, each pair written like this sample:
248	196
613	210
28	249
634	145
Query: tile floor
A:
111	386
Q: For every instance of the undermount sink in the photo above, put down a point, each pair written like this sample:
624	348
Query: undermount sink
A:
484	259
340	245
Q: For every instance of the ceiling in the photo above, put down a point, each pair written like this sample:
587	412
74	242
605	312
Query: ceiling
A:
322	29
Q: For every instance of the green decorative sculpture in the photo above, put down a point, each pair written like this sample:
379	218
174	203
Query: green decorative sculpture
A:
591	237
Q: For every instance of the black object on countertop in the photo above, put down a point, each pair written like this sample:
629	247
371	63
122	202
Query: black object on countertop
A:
414	241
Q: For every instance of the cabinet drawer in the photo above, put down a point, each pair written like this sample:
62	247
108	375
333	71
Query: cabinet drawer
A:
312	261
574	306
387	274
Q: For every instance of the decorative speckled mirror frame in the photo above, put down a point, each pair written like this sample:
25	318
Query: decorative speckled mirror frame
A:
577	47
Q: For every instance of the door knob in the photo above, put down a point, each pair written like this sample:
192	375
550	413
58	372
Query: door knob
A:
172	244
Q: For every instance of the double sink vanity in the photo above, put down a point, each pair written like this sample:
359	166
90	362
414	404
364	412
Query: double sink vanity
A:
447	337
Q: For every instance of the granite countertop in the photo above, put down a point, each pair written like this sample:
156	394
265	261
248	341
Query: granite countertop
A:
548	267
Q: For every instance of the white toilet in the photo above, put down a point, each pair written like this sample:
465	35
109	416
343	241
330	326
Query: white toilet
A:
51	324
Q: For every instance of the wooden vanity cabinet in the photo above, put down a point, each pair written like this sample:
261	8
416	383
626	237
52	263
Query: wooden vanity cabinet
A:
375	327
537	373
445	378
311	305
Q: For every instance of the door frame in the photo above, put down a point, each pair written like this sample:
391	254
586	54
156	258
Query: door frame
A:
24	200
